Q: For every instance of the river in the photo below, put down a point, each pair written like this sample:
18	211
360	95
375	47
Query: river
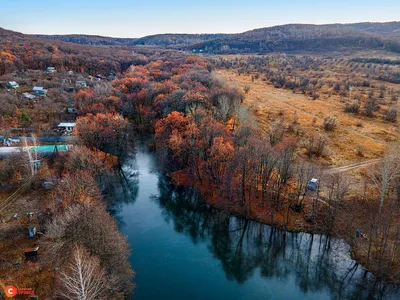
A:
184	249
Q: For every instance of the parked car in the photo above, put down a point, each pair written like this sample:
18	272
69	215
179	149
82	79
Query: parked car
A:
312	185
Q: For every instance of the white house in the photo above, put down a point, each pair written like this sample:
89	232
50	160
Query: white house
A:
67	127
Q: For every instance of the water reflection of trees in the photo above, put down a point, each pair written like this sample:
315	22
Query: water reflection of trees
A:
314	262
121	187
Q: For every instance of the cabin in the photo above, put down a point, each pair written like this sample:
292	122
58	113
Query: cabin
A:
69	89
29	96
72	110
31	253
39	90
50	70
65	80
12	85
81	83
67	127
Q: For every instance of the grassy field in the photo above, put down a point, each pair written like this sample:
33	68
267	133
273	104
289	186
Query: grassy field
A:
357	138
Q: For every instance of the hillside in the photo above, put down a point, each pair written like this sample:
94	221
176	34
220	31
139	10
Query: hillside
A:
19	51
94	40
299	37
163	40
387	29
285	38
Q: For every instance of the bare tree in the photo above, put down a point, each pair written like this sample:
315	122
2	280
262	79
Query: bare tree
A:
85	279
385	173
223	107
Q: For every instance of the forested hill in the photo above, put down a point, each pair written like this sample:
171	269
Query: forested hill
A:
285	38
95	40
299	37
162	40
20	51
387	29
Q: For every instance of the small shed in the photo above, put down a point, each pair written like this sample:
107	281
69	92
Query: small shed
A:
81	83
71	110
31	253
51	70
12	85
39	90
67	127
29	96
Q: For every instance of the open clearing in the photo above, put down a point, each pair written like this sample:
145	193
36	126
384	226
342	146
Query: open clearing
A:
354	134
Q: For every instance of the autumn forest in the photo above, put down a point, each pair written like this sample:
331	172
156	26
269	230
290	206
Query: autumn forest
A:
285	132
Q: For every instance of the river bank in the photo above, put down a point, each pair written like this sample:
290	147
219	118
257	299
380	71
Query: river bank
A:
287	219
183	247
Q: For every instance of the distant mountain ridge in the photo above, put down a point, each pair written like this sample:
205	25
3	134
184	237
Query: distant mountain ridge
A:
161	40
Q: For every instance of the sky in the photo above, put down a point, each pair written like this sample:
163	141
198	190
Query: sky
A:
123	18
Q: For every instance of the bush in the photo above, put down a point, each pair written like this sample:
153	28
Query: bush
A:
391	114
370	106
352	107
330	123
277	130
316	145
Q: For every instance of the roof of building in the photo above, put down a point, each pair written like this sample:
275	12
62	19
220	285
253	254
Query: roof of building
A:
66	124
12	83
29	96
37	88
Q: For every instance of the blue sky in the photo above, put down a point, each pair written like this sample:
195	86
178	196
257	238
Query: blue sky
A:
123	18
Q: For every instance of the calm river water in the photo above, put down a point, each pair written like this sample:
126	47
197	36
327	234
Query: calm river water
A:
184	249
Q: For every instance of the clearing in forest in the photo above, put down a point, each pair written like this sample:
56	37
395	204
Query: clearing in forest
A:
357	138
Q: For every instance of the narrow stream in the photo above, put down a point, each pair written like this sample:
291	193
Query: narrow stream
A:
184	249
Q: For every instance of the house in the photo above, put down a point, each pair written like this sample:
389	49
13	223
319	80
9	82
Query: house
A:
71	110
69	89
38	90
29	96
31	253
67	127
50	70
12	85
81	83
111	77
65	80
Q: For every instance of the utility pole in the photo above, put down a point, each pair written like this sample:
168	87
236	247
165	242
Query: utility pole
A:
32	152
